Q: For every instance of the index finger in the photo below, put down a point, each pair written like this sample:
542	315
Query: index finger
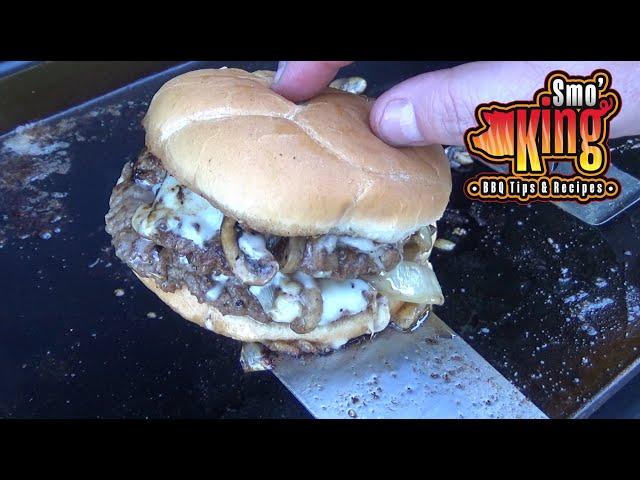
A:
300	81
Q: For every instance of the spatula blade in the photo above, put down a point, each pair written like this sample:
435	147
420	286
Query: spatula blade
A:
429	373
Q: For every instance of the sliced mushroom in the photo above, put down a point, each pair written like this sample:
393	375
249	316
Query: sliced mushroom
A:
292	256
311	311
355	85
249	271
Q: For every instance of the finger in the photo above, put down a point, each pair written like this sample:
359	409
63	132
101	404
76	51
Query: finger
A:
438	107
300	81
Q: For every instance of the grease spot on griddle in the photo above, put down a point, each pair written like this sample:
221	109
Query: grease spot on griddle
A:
28	157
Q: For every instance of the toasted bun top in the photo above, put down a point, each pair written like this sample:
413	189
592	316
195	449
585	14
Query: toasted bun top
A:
292	170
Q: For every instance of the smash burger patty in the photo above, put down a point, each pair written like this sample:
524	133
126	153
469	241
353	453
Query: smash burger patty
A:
265	247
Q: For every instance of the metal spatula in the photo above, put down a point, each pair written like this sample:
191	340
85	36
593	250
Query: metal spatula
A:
428	373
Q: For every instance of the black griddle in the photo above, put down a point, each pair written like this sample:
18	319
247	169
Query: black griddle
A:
550	302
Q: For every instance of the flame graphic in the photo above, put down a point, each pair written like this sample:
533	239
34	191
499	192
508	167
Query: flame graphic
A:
496	140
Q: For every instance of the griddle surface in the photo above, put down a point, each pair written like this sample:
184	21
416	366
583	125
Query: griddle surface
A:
550	302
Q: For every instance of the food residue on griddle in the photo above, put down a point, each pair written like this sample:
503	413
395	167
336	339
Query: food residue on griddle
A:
33	156
28	157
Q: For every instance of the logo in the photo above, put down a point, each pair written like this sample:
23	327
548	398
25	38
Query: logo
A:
555	147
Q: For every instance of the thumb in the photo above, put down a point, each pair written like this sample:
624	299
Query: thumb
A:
438	107
300	81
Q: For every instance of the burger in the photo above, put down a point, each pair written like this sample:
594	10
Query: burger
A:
291	225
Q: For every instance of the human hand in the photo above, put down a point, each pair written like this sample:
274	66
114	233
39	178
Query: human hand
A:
438	107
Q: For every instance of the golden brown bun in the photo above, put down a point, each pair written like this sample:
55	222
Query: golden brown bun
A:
277	336
290	169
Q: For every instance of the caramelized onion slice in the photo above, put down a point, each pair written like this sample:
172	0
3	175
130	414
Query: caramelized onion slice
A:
410	282
411	315
292	254
229	241
423	237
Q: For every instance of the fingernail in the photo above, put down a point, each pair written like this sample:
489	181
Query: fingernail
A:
279	72
398	123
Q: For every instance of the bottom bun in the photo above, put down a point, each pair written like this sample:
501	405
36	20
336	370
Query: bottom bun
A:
276	336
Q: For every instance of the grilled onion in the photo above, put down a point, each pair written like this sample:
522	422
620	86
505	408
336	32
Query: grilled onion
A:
292	254
410	315
410	282
419	246
424	238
